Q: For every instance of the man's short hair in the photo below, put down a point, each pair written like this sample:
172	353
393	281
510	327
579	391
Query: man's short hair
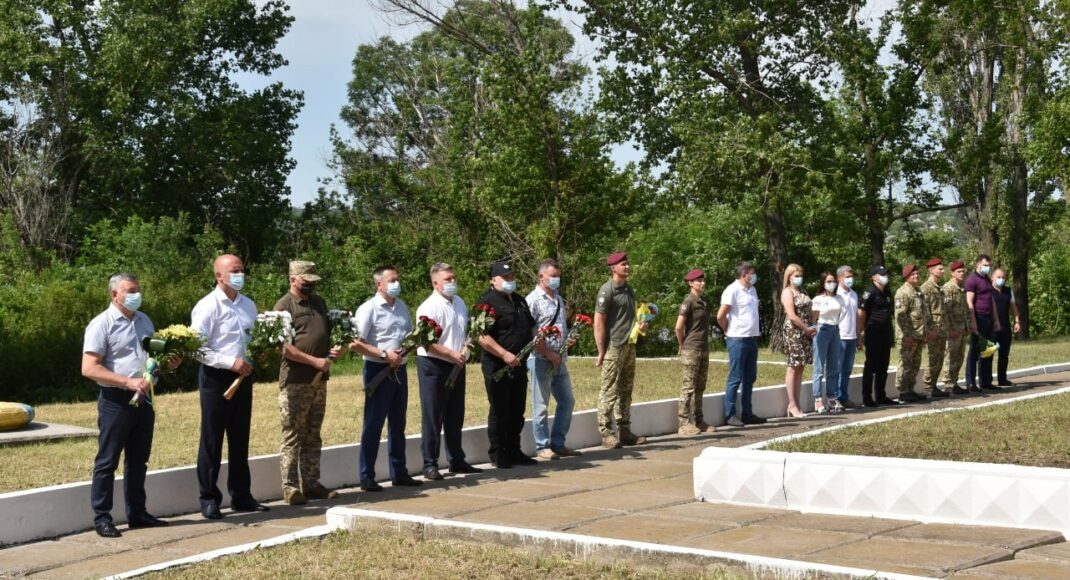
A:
377	275
843	270
440	267
119	278
743	268
982	258
547	264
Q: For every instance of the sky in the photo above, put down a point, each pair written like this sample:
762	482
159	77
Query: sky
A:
320	46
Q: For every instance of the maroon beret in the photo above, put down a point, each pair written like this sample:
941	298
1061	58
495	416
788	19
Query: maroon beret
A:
616	258
909	269
957	264
933	262
694	275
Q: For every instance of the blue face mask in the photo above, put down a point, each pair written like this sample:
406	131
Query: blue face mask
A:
393	289
554	283
237	281
508	286
132	301
753	278
985	270
848	282
999	282
796	281
449	289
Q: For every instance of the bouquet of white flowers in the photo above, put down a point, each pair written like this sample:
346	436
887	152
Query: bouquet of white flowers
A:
270	332
343	333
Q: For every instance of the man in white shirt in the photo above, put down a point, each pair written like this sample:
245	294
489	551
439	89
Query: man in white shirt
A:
225	318
848	333
738	318
382	323
442	407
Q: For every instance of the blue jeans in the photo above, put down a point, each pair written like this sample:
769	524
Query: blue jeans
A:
848	347
742	372
545	381
827	357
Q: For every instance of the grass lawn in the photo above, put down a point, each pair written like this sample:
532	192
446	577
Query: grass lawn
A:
178	414
341	555
1034	432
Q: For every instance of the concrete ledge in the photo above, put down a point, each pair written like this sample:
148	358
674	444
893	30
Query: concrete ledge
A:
37	432
584	547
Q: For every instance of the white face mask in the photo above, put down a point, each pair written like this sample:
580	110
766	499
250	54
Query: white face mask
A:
848	282
449	289
753	278
796	281
830	286
883	280
237	281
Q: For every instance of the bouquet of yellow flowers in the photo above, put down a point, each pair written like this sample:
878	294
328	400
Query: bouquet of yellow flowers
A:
644	313
163	347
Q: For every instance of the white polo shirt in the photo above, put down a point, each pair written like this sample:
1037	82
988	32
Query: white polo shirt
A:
117	340
849	323
383	325
451	315
225	325
742	312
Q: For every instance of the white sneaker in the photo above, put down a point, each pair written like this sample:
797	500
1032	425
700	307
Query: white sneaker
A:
837	406
819	405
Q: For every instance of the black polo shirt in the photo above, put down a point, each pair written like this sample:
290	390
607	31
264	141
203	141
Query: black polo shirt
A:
877	304
514	326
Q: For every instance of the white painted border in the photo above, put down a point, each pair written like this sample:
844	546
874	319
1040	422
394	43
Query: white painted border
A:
346	517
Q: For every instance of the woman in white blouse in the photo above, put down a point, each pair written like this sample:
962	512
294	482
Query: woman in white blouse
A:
827	310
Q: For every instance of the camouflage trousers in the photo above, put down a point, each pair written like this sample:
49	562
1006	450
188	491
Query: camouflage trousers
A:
936	350
906	375
956	353
618	380
301	407
696	369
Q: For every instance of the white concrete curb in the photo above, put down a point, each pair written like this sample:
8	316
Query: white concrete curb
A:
909	489
347	517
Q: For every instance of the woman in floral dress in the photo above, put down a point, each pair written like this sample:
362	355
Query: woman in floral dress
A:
797	341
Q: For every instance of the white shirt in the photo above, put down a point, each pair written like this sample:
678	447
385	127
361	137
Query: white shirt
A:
849	322
117	340
830	309
452	316
743	311
383	325
225	325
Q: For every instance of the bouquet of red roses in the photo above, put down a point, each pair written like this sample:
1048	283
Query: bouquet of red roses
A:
426	333
544	332
478	326
578	323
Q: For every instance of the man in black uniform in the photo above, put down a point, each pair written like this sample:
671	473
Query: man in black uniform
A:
508	396
878	336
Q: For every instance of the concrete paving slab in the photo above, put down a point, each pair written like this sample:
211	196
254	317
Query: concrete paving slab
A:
854	525
685	455
29	558
708	512
585	479
611	499
935	556
772	541
879	567
681	487
1012	539
534	515
1053	552
37	432
645	528
110	565
439	505
645	468
300	523
226	538
516	490
147	537
1018	569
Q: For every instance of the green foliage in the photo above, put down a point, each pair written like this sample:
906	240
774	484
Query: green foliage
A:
1049	281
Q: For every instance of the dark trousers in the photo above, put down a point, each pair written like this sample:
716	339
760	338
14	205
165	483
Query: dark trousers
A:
879	343
1003	337
386	405
123	428
442	408
974	363
219	418
508	399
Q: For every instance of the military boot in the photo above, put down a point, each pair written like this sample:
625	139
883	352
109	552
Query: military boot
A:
628	438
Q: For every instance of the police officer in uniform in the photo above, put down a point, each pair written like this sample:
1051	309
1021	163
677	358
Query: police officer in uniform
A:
912	319
937	338
693	337
875	326
958	327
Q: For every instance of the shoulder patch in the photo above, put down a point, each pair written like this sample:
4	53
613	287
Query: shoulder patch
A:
601	299
865	295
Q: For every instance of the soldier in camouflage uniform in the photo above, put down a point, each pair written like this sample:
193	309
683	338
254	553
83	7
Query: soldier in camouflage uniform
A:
958	329
912	320
614	315
693	337
937	337
302	401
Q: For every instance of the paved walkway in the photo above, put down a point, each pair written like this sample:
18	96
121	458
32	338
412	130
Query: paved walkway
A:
642	493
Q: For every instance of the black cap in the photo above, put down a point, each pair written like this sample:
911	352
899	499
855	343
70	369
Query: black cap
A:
502	268
878	270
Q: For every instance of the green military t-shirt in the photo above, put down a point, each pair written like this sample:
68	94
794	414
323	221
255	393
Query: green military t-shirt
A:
312	332
617	302
696	323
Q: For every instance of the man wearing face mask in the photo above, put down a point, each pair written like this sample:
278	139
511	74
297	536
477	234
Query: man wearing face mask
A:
938	326
382	323
512	330
1003	297
224	318
878	336
114	358
549	369
693	338
958	328
738	318
442	407
614	315
912	319
303	401
845	275
983	325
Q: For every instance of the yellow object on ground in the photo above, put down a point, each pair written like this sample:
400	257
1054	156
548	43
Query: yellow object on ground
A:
15	416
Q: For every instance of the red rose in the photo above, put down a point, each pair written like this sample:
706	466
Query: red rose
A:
438	331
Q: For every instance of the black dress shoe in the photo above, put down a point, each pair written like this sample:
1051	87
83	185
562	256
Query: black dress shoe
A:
464	467
107	530
432	474
959	390
1005	383
211	512
249	506
910	397
886	401
521	459
503	463
939	394
406	481
146	520
990	388
369	485
870	403
974	388
754	420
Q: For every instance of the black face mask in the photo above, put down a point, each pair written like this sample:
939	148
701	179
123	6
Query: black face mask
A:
308	289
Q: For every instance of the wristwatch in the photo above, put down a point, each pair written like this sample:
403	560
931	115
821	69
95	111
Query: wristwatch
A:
382	355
